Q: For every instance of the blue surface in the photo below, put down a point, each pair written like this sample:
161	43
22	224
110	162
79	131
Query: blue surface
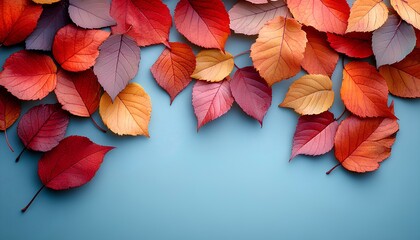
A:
232	180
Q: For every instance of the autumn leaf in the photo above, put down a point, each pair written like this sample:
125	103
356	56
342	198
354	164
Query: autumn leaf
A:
356	45
324	15
248	18
310	94
29	75
409	10
417	38
314	135
393	41
361	144
278	50
42	128
364	91
117	64
76	49
53	18
18	19
403	78
251	92
147	21
319	57
259	1
91	14
45	1
9	112
174	67
73	163
203	22
367	16
130	112
213	65
211	101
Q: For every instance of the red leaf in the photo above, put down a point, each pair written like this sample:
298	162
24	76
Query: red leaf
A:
76	49
147	21
357	45
18	19
73	163
174	67
79	93
9	112
314	134
251	92
203	22
211	100
42	127
29	75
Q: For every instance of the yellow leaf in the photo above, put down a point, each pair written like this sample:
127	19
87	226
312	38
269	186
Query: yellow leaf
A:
45	1
310	94
130	112
409	10
367	16
279	49
213	65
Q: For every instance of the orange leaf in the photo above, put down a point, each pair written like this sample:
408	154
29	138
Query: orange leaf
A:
364	91
403	78
29	75
130	112
278	51
45	1
213	65
76	49
367	15
323	15
9	109
409	10
18	20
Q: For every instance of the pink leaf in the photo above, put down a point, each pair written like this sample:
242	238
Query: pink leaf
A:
91	13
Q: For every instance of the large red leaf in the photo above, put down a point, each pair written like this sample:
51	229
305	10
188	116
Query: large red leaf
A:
314	134
323	15
29	75
18	18
9	112
357	45
42	127
251	92
76	49
364	91
73	163
211	100
174	67
147	21
203	22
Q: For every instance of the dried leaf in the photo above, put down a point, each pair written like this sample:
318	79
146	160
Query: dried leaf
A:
213	65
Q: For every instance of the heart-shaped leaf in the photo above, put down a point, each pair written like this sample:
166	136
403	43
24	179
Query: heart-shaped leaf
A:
367	15
91	14
213	65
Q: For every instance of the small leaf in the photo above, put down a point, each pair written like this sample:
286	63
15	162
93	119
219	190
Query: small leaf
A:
323	15
251	92
248	18
367	15
310	94
9	112
213	65
29	75
364	91
91	13
211	101
203	22
278	51
319	58
356	45
314	135
117	64
76	49
130	112
174	67
409	10
393	41
147	21
18	20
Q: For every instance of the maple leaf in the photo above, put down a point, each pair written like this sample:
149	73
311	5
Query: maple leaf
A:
213	65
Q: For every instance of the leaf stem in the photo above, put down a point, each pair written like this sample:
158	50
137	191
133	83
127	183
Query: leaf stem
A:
97	125
7	140
29	204
20	154
339	164
242	53
234	64
342	114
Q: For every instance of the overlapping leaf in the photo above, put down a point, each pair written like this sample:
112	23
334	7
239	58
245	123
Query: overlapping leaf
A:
357	45
409	10
46	1
9	112
367	15
91	14
213	65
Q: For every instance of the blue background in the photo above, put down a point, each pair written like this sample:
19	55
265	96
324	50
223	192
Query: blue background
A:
232	180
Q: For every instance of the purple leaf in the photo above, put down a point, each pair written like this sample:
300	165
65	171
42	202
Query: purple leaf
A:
91	13
53	17
251	92
393	41
117	64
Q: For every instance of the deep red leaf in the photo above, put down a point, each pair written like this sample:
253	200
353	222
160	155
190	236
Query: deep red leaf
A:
91	13
357	45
